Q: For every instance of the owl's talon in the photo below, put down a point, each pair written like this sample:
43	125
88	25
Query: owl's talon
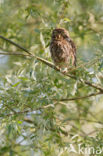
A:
65	70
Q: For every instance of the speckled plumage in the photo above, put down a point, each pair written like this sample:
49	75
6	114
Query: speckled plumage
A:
62	48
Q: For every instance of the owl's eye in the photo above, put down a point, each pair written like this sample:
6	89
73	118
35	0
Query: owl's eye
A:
55	32
62	33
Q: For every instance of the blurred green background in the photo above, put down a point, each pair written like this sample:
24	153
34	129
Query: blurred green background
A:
31	122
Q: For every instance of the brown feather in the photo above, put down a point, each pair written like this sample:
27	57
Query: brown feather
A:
62	48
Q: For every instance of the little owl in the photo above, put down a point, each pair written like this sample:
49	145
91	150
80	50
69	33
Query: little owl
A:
62	49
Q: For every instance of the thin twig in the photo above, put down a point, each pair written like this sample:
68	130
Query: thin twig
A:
82	119
17	54
79	98
91	84
69	119
92	132
90	63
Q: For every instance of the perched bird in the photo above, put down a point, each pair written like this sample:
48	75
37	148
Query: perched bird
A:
62	49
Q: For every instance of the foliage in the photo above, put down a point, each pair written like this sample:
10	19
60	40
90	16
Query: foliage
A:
42	111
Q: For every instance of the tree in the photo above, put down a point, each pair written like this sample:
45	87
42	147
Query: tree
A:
44	111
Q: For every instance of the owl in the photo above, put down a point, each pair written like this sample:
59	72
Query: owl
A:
62	49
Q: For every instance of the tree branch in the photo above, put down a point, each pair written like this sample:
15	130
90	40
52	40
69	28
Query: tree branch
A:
15	44
53	66
13	53
91	85
79	98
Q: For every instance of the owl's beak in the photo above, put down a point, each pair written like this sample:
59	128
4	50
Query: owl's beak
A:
58	36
